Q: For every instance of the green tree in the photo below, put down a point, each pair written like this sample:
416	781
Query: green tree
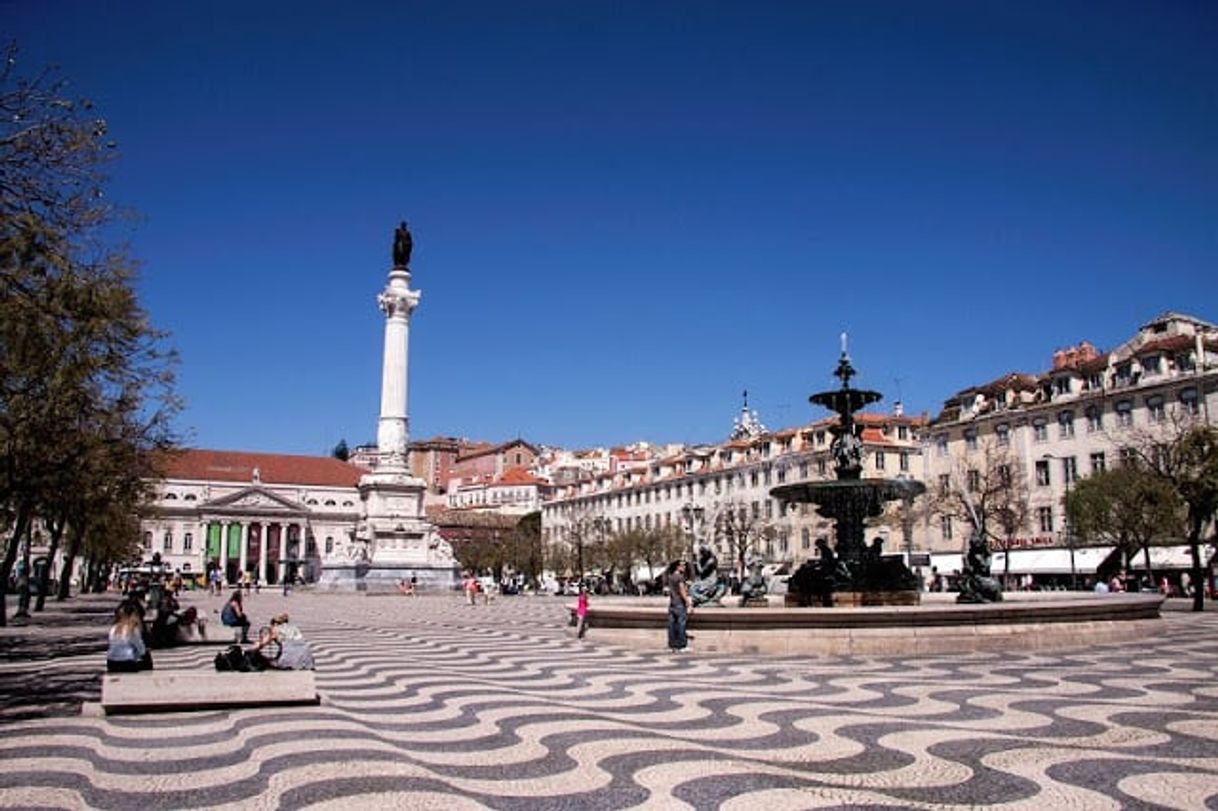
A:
81	370
524	552
1128	507
1184	453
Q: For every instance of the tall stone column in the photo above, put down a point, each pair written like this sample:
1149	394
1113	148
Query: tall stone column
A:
283	552
224	550
397	301
393	540
245	547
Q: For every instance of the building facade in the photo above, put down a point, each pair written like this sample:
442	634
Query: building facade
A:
1071	421
692	490
271	515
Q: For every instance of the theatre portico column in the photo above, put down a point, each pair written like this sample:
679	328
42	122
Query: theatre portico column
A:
245	547
224	548
283	551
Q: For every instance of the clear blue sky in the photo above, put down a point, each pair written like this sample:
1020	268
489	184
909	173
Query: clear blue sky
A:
625	213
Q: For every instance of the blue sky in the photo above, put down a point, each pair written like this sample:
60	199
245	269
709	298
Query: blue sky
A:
626	213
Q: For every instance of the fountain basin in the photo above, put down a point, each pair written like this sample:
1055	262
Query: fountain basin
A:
1021	623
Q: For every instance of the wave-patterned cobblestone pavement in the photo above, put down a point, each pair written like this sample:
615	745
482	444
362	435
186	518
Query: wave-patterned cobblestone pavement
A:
431	703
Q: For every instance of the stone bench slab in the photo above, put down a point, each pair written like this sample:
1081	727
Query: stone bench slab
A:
188	690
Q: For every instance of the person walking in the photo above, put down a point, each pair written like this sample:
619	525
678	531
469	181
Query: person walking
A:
581	612
679	606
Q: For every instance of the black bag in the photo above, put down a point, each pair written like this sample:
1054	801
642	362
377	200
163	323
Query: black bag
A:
232	659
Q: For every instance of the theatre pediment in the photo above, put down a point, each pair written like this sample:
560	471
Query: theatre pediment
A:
256	500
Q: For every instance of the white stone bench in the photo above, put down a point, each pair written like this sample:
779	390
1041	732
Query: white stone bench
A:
187	690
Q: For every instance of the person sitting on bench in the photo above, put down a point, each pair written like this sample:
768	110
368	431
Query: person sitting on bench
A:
127	652
294	651
233	615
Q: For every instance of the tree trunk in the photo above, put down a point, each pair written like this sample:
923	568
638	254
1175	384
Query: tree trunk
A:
10	557
1149	571
1198	576
44	577
64	589
23	582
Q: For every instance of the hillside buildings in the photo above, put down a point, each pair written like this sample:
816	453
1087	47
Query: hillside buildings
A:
692	490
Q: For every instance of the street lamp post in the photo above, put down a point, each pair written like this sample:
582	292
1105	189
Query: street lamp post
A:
693	516
600	524
1066	476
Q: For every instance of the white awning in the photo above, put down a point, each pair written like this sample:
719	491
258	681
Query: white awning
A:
1051	561
1168	557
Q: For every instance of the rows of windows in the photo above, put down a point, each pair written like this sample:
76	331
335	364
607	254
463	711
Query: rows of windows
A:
1123	414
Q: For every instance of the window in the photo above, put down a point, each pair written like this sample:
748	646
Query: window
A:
1154	405
945	482
1188	399
1004	475
941	445
879	460
765	477
902	432
1042	472
1095	381
148	540
167	544
1003	432
945	526
1070	469
805	538
905	461
171	497
1065	424
970	440
329	545
188	497
1045	516
821	466
1124	413
782	475
1095	419
1124	374
1185	362
1152	364
1040	431
1061	385
718	487
803	470
1097	462
974	481
188	541
756	508
769	509
753	479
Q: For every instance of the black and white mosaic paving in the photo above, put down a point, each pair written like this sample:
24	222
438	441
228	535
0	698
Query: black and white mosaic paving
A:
430	703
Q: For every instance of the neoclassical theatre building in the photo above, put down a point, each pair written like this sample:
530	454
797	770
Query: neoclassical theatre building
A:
272	515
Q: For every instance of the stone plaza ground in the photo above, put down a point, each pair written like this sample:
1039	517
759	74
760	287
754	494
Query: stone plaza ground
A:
430	703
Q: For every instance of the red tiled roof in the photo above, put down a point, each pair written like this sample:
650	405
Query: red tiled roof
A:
518	475
1175	343
274	468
